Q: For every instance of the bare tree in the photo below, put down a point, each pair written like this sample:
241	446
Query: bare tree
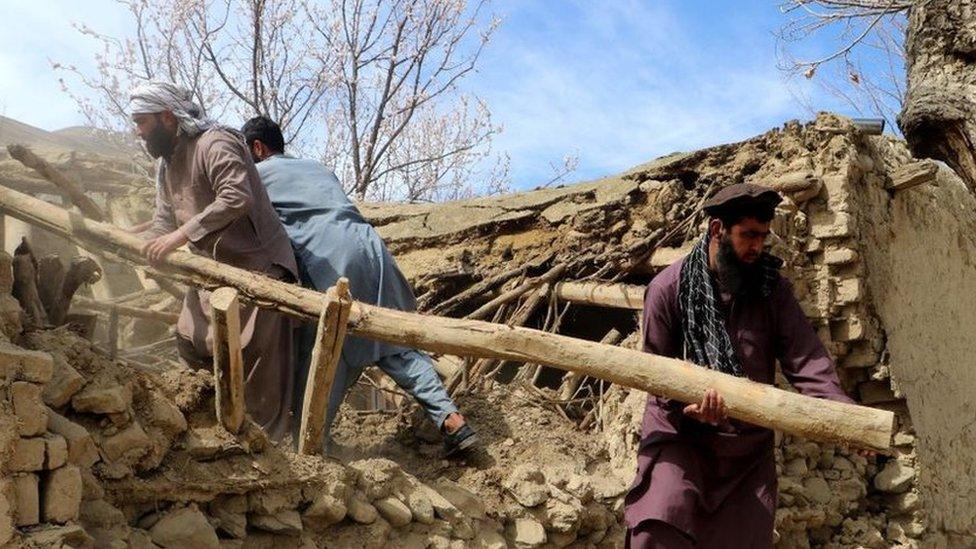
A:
399	64
936	102
372	85
866	69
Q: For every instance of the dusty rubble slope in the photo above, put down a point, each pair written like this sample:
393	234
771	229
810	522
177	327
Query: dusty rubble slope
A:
881	274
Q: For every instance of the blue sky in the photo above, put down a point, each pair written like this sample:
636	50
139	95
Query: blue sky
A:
616	82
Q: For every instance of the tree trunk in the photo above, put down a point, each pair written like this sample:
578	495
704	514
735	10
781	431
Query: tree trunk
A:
939	114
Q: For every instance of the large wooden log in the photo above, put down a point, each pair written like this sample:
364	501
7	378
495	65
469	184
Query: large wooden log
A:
325	358
228	363
746	400
603	294
70	187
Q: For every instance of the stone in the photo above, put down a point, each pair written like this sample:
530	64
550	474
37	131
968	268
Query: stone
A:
394	511
228	514
166	415
376	476
896	477
526	533
29	408
21	364
903	439
99	513
269	502
847	329
81	448
285	521
580	487
7	510
796	467
55	451
527	485
563	515
64	384
904	503
205	443
71	535
442	507
488	539
816	489
186	528
360	510
61	496
848	290
131	440
562	539
28	502
826	225
103	400
325	511
420	505
28	455
462	498
91	488
839	256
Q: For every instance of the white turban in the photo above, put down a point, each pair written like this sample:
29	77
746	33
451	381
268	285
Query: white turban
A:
156	97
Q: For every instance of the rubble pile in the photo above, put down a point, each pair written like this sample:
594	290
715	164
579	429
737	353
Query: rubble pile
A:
145	464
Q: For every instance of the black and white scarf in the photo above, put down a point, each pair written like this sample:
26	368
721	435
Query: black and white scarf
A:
706	341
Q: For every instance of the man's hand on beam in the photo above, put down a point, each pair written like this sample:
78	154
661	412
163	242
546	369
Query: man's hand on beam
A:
158	248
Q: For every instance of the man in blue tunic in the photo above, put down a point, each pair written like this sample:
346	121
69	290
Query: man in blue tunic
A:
332	239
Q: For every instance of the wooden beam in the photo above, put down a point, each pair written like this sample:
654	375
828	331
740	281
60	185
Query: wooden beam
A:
39	186
602	294
912	175
113	332
228	361
70	187
746	400
572	380
86	303
321	374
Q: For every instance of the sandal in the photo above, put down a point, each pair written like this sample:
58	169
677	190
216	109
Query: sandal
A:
459	440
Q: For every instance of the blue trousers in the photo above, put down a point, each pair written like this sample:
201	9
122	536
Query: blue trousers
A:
412	370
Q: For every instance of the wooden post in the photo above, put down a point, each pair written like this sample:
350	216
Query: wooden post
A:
228	361
113	332
321	373
765	405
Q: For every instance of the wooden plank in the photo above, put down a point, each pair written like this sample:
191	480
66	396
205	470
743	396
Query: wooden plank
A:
912	175
228	360
321	374
757	403
602	294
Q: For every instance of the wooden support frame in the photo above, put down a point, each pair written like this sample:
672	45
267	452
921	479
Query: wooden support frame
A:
228	361
757	403
113	332
321	373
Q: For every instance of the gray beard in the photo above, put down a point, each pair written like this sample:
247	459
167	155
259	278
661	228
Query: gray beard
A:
735	276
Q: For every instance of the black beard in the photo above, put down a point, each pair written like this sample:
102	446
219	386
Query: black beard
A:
160	142
736	276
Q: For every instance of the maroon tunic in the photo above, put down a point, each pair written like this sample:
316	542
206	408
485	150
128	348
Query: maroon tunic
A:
719	487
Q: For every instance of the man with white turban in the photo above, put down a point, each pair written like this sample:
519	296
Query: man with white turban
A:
209	195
